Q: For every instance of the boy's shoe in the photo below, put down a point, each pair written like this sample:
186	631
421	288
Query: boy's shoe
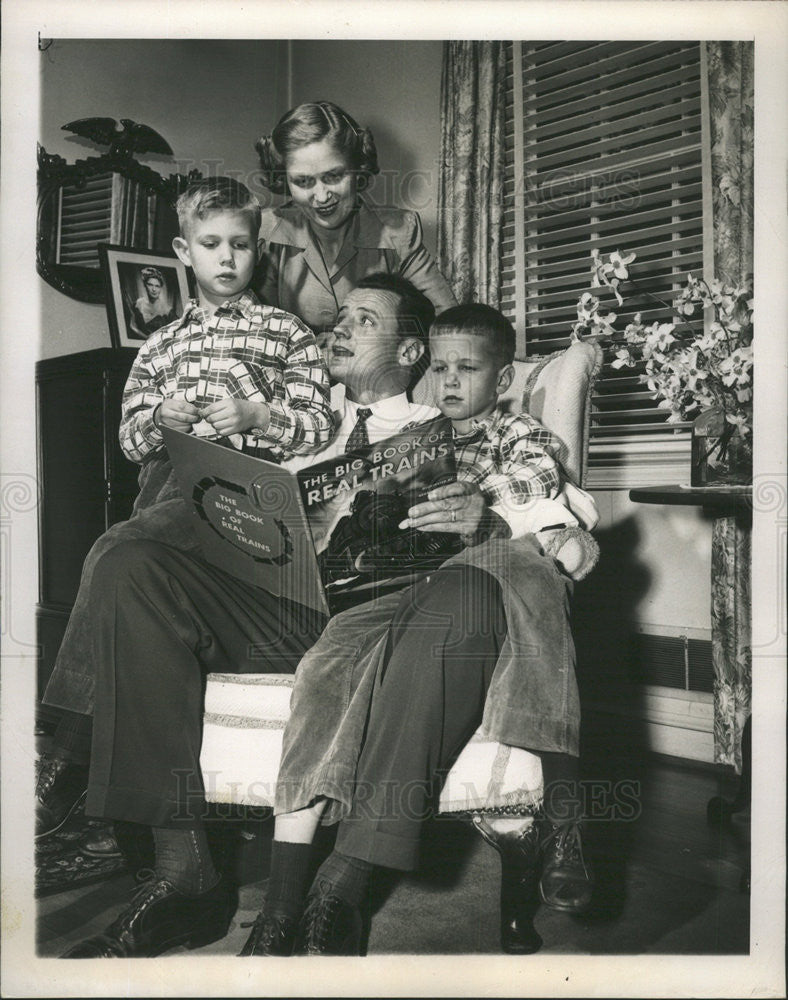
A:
567	881
271	935
159	918
60	787
329	926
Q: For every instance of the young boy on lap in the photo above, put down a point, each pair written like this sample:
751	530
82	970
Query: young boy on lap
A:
507	486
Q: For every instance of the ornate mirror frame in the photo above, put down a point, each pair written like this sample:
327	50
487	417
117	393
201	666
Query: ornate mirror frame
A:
86	284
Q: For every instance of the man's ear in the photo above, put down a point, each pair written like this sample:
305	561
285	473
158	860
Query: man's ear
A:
505	379
409	352
181	248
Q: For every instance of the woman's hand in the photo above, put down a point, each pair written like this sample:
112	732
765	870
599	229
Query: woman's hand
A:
458	508
231	416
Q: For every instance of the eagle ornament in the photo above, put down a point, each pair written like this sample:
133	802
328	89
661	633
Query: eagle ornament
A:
124	142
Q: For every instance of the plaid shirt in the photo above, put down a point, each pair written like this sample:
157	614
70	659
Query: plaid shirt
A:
511	458
245	351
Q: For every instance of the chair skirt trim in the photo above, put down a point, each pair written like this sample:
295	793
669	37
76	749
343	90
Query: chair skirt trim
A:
243	724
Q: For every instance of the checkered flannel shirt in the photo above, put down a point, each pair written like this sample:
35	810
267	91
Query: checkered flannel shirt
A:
511	458
245	351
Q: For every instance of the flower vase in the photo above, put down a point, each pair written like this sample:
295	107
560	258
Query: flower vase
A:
721	455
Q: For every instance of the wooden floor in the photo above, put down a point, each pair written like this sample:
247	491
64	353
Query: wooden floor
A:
667	882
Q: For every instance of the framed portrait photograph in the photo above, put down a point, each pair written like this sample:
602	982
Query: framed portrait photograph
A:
145	290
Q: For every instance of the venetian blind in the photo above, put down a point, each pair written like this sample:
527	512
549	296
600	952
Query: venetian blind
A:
85	214
604	142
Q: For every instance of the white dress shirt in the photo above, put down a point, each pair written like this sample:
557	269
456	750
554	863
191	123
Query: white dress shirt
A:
388	417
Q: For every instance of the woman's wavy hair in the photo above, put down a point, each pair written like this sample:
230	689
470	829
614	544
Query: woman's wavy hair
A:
151	272
308	123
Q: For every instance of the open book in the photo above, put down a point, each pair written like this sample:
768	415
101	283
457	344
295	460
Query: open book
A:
330	527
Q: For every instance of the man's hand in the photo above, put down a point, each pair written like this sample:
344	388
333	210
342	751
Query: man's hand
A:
231	416
177	414
459	508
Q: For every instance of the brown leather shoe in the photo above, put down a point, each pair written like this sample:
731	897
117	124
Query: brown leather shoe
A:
60	788
159	918
271	935
567	881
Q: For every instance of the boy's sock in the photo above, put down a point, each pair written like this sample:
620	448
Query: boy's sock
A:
72	737
345	877
291	867
184	858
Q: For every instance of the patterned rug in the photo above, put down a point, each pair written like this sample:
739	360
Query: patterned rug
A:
62	864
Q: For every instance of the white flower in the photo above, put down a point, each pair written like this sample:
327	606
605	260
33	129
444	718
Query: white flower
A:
739	421
693	372
623	359
610	272
708	340
587	307
735	369
620	264
686	369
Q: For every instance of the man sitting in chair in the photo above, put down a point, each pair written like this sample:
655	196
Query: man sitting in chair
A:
164	618
394	688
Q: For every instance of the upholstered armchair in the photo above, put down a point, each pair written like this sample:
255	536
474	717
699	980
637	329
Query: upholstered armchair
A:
245	714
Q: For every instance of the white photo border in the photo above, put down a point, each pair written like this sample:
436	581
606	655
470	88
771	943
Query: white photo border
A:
111	255
25	25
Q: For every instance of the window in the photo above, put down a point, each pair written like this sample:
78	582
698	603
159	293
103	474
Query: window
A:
84	220
605	151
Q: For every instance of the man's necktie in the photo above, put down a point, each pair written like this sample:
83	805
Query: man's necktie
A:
358	437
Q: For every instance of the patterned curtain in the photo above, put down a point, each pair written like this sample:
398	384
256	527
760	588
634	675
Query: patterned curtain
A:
730	81
470	186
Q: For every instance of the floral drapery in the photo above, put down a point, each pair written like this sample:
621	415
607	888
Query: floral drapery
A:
730	636
470	207
731	104
470	184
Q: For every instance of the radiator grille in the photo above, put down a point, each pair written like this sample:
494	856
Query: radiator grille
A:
671	661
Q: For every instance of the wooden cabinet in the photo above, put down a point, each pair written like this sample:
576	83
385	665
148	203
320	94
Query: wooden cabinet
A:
85	483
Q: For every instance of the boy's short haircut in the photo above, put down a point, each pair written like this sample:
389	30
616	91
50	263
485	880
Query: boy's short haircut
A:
217	194
479	320
415	314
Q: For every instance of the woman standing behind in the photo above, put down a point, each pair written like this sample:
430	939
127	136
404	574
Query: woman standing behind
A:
317	246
